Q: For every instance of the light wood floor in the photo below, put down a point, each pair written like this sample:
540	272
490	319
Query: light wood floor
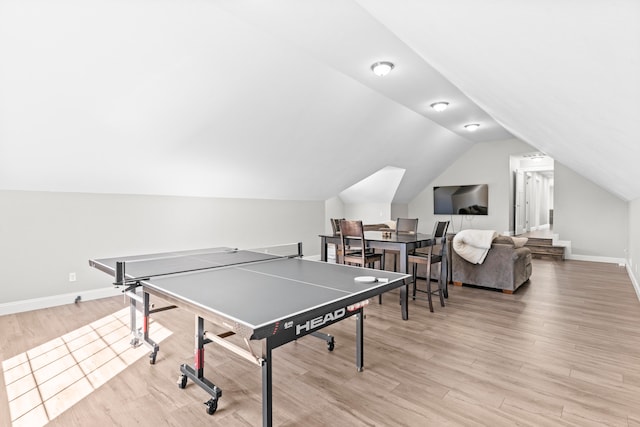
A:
563	350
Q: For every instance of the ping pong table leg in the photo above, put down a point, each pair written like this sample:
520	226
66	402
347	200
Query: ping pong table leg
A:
145	328
120	277
196	374
404	290
267	400
199	350
132	321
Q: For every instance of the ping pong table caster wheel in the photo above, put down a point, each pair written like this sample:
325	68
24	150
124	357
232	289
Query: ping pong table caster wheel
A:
152	358
182	381
331	344
212	405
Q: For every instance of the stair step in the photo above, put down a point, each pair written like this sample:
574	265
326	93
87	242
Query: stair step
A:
543	247
539	241
546	251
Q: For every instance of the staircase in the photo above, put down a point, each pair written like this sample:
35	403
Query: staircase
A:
542	247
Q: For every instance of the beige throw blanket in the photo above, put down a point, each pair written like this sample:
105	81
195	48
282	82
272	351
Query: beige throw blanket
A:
473	245
519	242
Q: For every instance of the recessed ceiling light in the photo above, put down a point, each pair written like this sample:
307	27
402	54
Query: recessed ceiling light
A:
440	106
472	127
382	68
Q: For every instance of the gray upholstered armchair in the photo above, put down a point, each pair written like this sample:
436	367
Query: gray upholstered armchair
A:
505	267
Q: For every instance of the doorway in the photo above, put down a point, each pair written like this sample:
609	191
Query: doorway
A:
533	192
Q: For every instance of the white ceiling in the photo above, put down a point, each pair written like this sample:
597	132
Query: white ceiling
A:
233	98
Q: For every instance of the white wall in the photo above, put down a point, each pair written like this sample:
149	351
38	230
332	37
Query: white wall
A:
369	213
399	210
484	163
595	220
45	236
592	219
333	208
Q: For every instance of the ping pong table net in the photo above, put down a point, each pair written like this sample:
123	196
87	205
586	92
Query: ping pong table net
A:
131	272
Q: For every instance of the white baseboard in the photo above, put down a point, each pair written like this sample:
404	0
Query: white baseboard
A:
634	281
56	300
592	258
620	261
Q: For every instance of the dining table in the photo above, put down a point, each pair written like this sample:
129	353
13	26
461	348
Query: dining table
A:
403	243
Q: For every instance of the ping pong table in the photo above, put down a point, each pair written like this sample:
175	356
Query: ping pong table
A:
273	295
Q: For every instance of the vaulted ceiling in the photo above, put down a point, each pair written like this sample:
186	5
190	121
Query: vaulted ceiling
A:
276	99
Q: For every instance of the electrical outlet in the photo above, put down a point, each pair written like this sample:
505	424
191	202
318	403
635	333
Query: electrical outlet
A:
72	277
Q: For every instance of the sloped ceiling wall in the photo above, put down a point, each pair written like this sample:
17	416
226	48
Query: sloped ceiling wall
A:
276	100
562	76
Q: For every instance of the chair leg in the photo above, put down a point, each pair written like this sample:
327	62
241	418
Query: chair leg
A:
445	285
428	278
441	292
415	279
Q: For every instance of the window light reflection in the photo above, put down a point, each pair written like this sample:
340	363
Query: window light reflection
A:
47	380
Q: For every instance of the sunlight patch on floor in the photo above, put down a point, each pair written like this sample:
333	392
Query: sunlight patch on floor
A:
47	380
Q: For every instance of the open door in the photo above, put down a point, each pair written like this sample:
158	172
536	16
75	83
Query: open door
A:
520	202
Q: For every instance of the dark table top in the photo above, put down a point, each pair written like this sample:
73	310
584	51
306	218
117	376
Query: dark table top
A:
379	236
257	293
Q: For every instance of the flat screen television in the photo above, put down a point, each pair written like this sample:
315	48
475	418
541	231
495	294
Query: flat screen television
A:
461	200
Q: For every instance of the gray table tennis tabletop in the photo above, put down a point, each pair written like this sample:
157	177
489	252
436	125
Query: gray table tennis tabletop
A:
251	291
259	295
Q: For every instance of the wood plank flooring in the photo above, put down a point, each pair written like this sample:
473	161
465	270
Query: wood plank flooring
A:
564	350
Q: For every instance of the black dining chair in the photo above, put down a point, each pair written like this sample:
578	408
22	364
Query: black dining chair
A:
430	255
403	226
356	253
335	226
